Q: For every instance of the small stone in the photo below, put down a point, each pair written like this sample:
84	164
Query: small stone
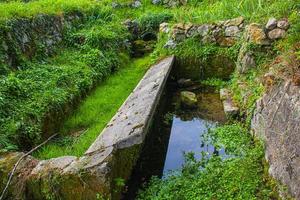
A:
192	32
115	5
188	99
179	26
226	41
283	24
230	109
208	39
136	4
164	27
156	2
178	36
232	31
272	23
256	34
224	94
203	30
179	31
247	62
183	2
184	82
234	22
171	44
268	79
276	34
217	32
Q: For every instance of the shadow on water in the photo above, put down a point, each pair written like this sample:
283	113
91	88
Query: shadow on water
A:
175	131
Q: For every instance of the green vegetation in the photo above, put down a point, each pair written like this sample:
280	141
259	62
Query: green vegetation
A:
214	82
35	98
90	52
15	9
90	71
82	128
237	176
207	11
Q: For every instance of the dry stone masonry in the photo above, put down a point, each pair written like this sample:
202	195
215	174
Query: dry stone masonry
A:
224	33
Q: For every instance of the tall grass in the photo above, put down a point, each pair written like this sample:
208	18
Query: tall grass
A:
21	9
207	11
196	11
87	122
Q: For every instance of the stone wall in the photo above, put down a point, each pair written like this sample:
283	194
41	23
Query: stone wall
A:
277	122
111	157
26	37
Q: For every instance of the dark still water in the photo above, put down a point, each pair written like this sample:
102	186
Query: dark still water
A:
186	137
188	127
176	131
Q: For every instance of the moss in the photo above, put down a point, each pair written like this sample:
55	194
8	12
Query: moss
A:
123	159
55	185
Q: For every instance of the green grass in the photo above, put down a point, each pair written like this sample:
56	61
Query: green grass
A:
207	11
95	111
204	11
52	7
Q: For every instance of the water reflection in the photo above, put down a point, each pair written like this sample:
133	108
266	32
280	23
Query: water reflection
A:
187	128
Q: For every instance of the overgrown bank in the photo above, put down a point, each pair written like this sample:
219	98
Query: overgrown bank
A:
83	127
38	92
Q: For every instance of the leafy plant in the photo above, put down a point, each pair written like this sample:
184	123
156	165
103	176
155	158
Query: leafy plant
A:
234	177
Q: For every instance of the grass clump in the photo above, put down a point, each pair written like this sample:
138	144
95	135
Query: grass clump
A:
95	112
